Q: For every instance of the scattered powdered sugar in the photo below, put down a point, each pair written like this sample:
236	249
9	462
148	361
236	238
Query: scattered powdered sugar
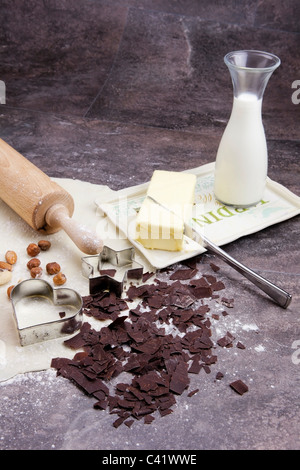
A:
250	327
45	378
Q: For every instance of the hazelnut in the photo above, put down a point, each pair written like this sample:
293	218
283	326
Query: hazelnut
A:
9	289
53	268
44	245
4	265
33	249
11	257
5	276
33	263
36	272
59	279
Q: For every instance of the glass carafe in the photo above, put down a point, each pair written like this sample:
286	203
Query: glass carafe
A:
242	157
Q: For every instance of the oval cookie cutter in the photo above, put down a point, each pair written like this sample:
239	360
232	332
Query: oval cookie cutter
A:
42	313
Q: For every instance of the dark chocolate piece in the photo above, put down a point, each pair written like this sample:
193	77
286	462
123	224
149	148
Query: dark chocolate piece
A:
219	375
226	341
239	386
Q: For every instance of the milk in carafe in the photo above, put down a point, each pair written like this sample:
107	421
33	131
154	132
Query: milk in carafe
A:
242	158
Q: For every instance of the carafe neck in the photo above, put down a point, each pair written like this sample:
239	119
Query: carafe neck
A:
250	71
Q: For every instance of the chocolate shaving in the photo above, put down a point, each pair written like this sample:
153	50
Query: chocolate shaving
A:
179	378
239	386
226	341
214	267
138	343
183	274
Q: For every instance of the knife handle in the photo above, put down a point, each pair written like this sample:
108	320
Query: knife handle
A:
280	296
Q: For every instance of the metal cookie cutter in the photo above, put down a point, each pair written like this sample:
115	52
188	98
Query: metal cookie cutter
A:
111	270
42	313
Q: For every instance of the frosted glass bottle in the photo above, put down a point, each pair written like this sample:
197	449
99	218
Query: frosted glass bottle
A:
242	157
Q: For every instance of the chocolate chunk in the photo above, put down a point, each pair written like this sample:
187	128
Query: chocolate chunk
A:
148	419
239	386
78	341
156	301
186	315
214	267
202	282
118	422
183	274
195	367
218	285
226	341
147	276
182	301
202	292
211	279
129	422
179	380
100	405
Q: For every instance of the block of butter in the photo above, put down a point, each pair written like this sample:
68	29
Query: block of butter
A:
156	227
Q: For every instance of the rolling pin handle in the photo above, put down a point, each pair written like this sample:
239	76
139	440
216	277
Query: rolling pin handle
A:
88	242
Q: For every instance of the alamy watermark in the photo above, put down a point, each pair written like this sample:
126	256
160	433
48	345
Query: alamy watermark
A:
296	353
2	92
296	93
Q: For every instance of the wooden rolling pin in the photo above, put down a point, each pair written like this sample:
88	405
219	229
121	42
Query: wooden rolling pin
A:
41	202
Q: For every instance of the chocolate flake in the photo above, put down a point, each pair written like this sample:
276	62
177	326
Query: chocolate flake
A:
214	267
179	380
137	343
219	375
239	386
226	341
183	274
202	292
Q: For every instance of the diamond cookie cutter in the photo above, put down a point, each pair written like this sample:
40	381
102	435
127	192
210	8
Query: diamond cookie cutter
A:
111	270
42	313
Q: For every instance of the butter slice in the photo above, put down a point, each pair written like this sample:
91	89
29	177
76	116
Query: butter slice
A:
156	227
